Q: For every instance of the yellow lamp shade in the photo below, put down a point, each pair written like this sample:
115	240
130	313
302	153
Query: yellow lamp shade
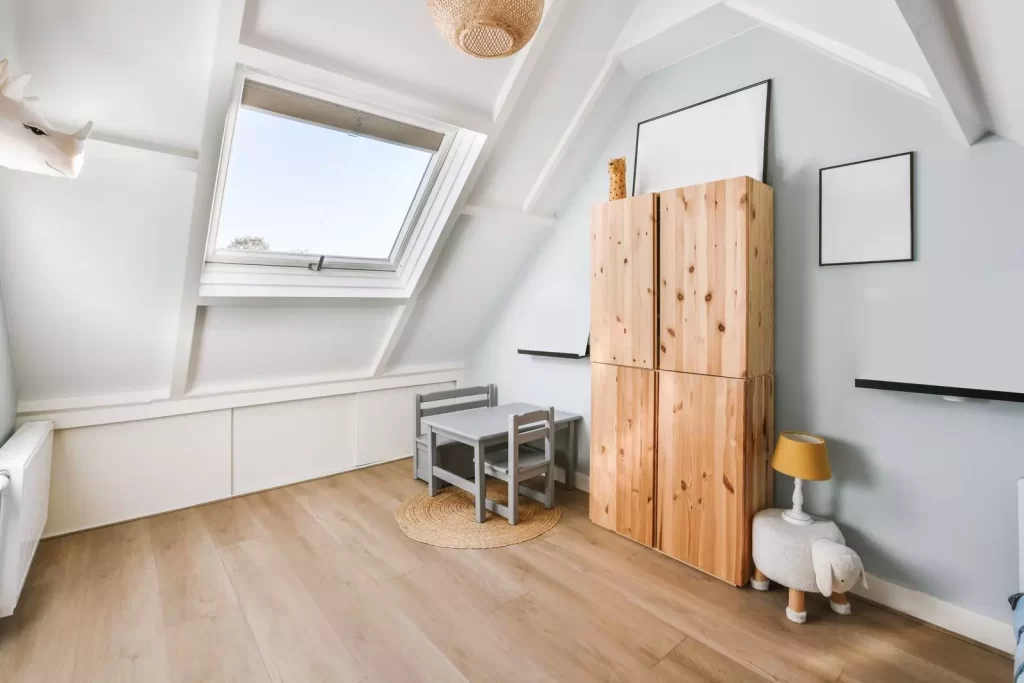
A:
803	456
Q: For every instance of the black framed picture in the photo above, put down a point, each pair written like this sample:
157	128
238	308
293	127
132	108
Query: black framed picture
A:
723	137
866	211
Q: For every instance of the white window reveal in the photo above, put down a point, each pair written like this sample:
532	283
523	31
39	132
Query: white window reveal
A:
314	184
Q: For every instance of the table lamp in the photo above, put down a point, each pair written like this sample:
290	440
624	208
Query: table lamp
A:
801	456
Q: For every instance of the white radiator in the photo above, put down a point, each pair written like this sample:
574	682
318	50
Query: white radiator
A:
24	500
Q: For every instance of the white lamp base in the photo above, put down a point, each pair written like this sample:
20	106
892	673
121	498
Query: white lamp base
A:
797	515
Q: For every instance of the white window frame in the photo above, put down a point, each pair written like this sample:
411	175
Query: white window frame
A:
241	263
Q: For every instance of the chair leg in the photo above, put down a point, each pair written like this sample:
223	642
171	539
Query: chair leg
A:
481	483
549	486
415	461
759	582
513	496
431	457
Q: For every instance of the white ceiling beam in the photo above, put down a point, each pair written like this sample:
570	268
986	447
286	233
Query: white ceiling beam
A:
611	72
498	215
336	83
659	33
906	81
945	75
683	35
133	151
219	94
506	101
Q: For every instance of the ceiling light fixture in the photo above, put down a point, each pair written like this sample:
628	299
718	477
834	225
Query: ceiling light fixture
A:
488	29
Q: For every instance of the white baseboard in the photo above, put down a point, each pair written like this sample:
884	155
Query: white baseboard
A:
582	480
986	630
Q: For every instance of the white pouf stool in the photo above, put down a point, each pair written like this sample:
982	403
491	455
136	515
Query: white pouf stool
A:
782	553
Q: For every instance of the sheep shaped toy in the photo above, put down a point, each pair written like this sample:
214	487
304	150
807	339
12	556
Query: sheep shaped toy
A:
804	559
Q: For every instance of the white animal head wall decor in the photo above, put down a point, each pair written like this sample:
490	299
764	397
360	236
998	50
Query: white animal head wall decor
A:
836	567
27	142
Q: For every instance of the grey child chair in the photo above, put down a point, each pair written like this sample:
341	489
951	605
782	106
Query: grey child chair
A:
515	466
451	454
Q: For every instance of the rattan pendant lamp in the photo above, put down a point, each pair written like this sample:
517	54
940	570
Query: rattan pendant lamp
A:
488	29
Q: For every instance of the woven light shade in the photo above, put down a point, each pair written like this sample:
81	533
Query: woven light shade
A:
488	29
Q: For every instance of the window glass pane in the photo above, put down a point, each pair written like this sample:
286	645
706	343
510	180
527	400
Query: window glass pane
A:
298	187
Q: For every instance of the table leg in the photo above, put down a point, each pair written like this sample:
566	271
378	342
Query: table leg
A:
481	482
431	459
572	458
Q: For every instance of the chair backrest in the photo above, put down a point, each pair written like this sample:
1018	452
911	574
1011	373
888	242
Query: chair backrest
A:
487	396
532	426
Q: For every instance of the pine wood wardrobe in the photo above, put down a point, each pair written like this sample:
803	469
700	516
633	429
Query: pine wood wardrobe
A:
682	357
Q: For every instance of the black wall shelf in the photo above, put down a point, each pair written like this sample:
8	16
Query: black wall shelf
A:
983	394
553	354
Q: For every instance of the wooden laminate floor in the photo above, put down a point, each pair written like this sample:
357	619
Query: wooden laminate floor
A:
315	582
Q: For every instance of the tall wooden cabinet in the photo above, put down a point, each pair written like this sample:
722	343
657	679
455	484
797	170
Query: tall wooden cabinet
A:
623	303
682	350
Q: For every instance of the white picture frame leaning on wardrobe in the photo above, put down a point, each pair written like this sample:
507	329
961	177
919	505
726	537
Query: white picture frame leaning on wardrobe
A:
866	211
719	138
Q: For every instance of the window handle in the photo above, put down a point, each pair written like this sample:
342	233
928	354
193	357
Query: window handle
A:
316	267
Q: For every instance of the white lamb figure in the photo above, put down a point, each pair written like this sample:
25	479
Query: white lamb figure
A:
836	569
804	559
27	142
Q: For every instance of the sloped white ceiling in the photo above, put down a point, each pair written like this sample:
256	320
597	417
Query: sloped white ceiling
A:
580	48
91	273
92	270
389	42
472	278
245	346
138	69
871	35
993	31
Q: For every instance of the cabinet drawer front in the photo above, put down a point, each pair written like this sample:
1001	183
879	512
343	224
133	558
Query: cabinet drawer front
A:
622	292
713	443
622	451
716	289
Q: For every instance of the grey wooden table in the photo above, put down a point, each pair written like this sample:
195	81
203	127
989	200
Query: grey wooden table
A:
483	427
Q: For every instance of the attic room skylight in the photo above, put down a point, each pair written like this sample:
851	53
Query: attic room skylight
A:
310	183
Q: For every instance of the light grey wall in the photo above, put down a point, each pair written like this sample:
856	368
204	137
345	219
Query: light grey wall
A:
923	489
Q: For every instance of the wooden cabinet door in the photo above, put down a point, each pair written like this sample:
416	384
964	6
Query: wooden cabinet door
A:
716	264
714	435
622	294
622	436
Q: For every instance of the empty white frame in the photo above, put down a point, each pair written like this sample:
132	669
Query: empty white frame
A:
866	211
724	137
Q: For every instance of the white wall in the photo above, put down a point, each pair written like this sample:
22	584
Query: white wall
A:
8	393
923	489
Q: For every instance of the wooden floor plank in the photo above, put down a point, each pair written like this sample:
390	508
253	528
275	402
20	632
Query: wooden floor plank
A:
215	647
192	580
231	521
295	639
315	582
693	662
122	635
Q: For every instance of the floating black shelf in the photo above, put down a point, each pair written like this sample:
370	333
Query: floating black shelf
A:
983	394
553	354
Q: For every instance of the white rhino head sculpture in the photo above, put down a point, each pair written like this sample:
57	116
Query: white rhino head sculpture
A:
27	142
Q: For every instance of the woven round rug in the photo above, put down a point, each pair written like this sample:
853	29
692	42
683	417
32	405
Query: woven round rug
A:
448	519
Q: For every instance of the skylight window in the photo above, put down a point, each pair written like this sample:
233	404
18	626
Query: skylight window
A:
306	178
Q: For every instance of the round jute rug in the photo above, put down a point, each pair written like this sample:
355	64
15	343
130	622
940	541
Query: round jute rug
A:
448	519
